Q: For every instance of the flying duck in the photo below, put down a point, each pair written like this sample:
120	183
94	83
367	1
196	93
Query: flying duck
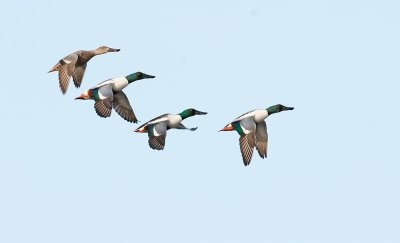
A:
157	127
253	131
75	65
109	94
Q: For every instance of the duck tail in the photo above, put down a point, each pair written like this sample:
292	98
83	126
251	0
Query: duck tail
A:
142	129
228	127
57	67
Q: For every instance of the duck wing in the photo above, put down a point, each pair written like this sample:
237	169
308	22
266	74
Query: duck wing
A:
78	74
157	133
145	127
103	97
247	138
123	107
247	143
262	139
66	70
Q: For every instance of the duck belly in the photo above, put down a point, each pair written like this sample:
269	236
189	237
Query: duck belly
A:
260	115
174	120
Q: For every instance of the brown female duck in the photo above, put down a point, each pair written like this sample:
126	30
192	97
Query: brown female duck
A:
74	65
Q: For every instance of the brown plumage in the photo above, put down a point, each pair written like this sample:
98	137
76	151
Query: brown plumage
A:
74	65
247	143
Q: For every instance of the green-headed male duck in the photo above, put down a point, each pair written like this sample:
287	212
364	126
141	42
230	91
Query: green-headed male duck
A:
109	94
253	131
157	127
74	65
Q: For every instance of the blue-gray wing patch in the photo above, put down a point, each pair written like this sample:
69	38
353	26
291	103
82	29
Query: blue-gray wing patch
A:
103	100
248	125
157	133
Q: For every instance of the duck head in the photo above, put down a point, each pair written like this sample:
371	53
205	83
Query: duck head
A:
88	95
191	112
138	76
278	108
105	49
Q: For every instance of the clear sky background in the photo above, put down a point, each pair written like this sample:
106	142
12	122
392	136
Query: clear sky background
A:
332	172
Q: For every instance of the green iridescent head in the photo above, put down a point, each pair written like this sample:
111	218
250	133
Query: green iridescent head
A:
138	76
191	112
278	108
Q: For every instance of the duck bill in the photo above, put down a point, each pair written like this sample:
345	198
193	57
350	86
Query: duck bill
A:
148	76
113	50
200	113
286	108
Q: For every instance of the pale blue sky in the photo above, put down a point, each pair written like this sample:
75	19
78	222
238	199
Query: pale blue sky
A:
332	173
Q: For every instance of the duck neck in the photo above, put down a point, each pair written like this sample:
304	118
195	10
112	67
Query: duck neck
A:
86	56
97	52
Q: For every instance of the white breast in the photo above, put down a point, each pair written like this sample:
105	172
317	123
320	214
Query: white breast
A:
260	115
174	120
119	84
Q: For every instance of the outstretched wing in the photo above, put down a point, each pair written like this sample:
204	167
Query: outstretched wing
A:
66	70
123	107
247	143
103	97
262	139
157	133
78	74
246	128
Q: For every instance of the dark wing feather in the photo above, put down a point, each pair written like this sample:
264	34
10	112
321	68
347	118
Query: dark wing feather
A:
103	107
157	143
66	71
103	100
157	134
78	74
247	143
262	139
123	107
